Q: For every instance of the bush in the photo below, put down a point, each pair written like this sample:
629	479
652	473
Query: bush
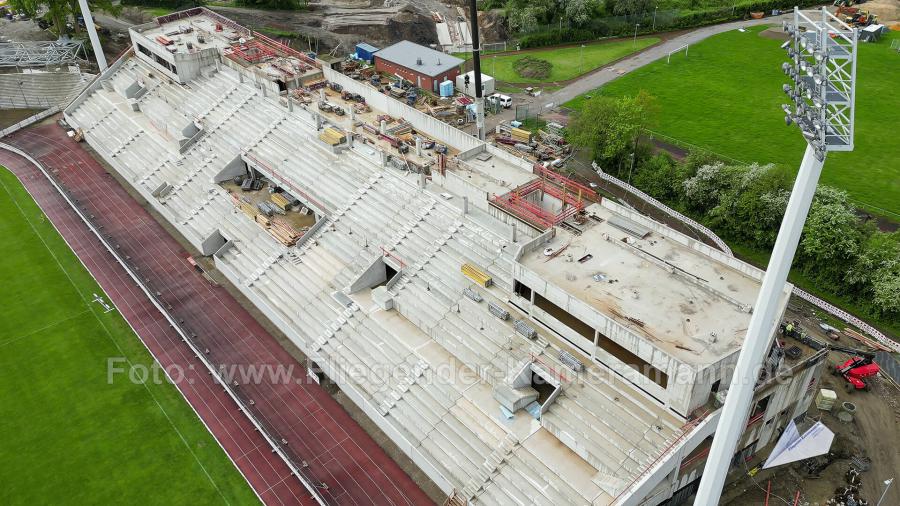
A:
622	26
532	68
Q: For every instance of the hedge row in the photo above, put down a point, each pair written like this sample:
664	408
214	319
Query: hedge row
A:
620	26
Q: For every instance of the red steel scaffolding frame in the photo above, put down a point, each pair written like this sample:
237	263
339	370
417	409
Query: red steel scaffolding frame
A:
567	191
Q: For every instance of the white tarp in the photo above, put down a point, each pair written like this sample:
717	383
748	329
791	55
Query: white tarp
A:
792	446
443	33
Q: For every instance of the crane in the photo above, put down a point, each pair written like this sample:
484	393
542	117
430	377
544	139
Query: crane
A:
856	369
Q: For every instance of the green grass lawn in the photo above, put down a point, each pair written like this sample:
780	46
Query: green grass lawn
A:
726	94
158	11
68	435
567	61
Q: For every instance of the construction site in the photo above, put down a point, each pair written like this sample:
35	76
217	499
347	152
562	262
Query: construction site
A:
517	337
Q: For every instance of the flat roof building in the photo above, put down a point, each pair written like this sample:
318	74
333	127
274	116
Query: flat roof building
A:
420	65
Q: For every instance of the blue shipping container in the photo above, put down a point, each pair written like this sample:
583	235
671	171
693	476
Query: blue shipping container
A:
366	51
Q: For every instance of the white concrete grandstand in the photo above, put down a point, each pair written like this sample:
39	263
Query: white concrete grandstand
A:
38	89
592	386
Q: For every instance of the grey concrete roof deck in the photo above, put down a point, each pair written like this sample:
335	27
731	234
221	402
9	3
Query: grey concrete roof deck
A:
201	25
408	53
693	307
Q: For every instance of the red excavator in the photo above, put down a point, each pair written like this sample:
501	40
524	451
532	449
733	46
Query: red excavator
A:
856	369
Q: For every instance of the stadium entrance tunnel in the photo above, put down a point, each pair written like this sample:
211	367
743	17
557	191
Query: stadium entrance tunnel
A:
533	388
377	274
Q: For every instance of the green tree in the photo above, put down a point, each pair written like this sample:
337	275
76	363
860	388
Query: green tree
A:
632	7
611	127
832	236
59	11
875	275
658	177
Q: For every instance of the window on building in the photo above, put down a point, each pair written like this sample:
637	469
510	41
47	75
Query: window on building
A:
613	348
761	405
144	50
522	290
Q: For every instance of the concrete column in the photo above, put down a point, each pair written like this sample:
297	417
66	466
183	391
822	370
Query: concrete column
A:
321	94
418	146
350	138
264	88
383	127
290	104
240	76
318	121
512	232
465	209
384	157
352	117
422	180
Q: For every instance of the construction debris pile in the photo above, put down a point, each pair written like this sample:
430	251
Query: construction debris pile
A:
548	144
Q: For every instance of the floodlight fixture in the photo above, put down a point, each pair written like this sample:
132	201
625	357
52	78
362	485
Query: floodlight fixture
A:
822	50
786	44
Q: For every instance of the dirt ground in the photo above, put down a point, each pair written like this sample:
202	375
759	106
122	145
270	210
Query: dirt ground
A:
9	117
873	434
888	12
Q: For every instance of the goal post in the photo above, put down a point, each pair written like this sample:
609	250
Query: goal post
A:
676	50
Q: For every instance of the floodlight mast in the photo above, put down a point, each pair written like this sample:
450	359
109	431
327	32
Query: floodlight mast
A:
476	61
823	72
92	34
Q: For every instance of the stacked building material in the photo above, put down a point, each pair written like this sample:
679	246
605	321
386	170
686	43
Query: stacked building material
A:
332	136
476	275
523	136
284	232
281	201
245	206
400	129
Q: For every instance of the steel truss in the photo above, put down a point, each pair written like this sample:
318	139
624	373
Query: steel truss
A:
38	54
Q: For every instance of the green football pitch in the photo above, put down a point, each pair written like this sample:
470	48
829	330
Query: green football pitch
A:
67	434
725	96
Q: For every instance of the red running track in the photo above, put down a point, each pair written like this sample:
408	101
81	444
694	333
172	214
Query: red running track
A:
269	476
318	431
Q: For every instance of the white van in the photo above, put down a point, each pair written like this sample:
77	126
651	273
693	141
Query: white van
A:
505	101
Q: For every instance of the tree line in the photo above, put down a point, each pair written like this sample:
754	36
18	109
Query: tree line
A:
839	252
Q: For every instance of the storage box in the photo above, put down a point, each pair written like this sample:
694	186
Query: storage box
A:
825	399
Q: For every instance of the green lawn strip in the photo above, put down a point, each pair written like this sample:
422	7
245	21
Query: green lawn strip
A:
568	62
68	435
725	96
158	11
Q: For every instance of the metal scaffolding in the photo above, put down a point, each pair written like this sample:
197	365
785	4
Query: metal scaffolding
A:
38	54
